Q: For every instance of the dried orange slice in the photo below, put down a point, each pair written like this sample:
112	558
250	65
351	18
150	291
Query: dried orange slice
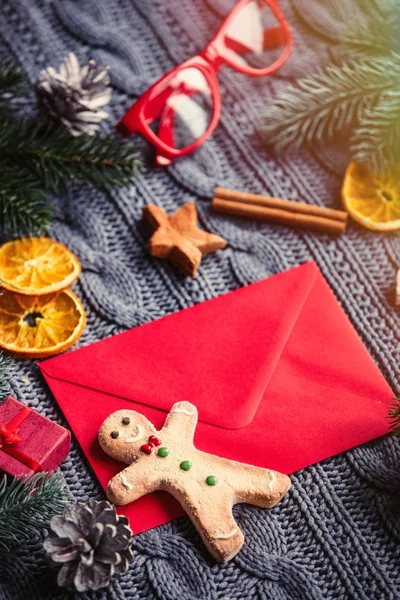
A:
38	326
372	200
36	266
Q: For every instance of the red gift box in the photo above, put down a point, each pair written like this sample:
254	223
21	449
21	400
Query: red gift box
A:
29	442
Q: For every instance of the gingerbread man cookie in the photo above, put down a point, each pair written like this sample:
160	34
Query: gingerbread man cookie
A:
205	485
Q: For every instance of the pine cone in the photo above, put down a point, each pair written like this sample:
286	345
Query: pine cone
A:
92	543
73	96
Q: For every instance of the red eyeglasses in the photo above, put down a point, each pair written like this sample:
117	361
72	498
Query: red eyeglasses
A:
181	110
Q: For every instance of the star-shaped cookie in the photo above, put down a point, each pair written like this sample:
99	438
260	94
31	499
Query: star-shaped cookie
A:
178	237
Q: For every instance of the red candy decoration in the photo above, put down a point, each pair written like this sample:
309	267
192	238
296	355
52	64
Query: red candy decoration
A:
152	443
147	448
155	441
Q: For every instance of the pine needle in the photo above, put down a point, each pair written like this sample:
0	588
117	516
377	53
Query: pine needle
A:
24	207
376	141
12	85
27	505
394	415
5	375
374	33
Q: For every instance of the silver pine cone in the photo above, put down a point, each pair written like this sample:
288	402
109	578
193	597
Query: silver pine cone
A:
91	543
73	96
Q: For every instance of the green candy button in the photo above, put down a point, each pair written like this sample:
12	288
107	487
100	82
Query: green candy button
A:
211	480
163	452
186	465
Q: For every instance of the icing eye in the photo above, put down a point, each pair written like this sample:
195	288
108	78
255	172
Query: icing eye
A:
114	434
126	421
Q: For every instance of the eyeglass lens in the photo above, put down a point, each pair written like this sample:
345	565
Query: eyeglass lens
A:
180	109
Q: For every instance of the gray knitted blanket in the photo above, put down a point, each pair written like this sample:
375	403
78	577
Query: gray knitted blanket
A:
337	533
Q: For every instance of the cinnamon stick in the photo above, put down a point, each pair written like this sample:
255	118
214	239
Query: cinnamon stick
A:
398	288
283	217
290	205
278	210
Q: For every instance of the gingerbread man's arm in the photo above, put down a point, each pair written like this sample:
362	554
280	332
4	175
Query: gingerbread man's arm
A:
182	420
132	483
257	486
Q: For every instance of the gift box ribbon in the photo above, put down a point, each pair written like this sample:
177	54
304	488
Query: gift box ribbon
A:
9	436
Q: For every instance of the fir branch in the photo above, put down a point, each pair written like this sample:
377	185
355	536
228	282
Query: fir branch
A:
12	85
36	157
53	155
23	205
27	505
5	375
325	104
376	142
394	415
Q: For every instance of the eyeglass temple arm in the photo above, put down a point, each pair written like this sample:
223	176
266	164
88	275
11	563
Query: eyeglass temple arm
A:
273	38
167	125
166	133
155	107
151	111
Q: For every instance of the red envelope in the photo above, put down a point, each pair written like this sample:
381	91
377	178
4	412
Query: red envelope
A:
277	371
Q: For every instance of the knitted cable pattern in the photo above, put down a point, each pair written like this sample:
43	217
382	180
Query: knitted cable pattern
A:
337	533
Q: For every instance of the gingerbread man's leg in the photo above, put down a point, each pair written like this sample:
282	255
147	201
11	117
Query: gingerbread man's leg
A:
216	526
130	484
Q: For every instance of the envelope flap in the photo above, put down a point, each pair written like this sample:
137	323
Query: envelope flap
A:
220	354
